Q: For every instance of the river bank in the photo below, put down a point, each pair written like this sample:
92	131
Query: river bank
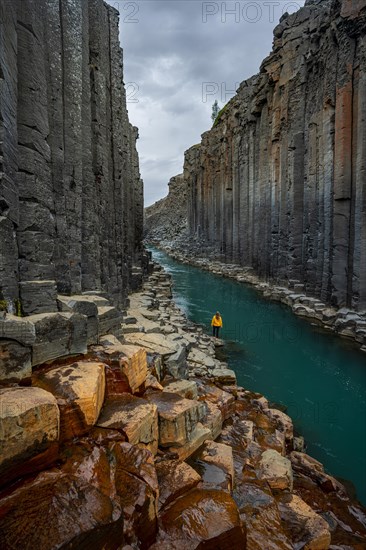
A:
343	322
154	445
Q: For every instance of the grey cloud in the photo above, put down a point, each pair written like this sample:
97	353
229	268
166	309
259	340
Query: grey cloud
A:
168	54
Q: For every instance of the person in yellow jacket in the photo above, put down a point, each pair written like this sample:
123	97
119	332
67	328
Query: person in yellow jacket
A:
216	324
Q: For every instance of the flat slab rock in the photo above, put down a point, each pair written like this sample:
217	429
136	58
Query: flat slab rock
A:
79	389
136	417
154	343
184	388
219	456
29	423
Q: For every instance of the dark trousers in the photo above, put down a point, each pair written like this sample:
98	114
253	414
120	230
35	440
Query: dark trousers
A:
215	331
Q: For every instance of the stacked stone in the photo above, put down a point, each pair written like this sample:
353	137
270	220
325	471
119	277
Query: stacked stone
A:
149	443
279	182
70	189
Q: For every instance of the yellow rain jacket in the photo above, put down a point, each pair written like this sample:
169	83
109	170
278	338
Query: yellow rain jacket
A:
216	322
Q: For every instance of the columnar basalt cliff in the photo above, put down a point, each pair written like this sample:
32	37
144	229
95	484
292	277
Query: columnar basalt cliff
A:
167	219
279	183
71	203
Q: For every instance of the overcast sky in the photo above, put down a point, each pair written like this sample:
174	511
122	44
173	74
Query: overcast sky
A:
179	56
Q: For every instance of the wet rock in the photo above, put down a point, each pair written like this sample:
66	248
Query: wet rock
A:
284	423
224	400
303	526
15	361
207	519
304	464
178	418
175	478
79	389
137	486
29	425
259	511
220	456
199	435
135	417
276	470
69	513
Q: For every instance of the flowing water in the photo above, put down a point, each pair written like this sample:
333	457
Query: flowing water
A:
320	378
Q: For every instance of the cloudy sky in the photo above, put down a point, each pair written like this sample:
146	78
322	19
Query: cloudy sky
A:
179	56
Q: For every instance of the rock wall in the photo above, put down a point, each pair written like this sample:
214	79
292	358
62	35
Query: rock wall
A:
71	205
279	182
167	219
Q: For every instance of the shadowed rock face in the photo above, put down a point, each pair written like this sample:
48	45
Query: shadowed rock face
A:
70	189
279	182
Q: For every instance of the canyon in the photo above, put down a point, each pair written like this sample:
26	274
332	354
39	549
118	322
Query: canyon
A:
121	427
278	184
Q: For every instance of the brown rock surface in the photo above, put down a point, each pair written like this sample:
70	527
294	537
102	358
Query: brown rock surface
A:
175	478
29	425
79	389
135	417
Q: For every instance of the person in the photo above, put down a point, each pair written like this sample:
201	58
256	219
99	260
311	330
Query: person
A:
216	324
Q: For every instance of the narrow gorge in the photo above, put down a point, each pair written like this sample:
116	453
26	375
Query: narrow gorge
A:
122	425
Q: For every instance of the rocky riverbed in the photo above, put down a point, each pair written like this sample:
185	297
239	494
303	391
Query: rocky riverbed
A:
146	441
344	322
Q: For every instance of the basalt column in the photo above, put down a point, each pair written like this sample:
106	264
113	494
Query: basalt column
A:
278	184
70	189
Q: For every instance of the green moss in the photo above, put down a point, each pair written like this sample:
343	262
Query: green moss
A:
219	115
3	305
18	307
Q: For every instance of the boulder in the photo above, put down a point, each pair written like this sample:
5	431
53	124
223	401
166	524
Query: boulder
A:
284	423
304	527
15	361
199	435
178	418
207	519
135	417
259	512
276	470
109	321
79	389
175	478
29	426
224	376
127	365
217	464
224	400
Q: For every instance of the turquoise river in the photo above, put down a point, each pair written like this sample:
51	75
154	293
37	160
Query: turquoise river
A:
320	378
